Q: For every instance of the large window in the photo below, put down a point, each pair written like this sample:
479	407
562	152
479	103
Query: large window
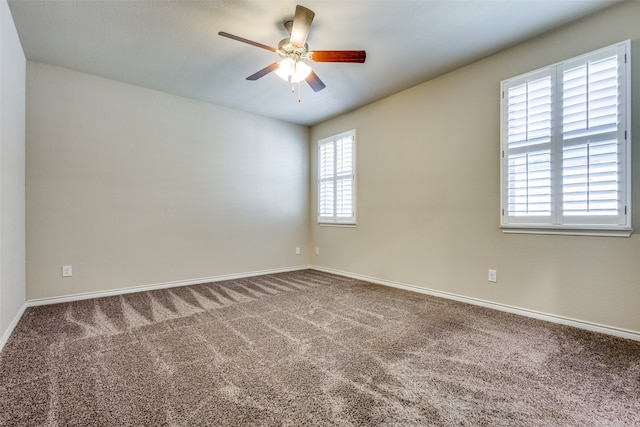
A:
336	179
565	146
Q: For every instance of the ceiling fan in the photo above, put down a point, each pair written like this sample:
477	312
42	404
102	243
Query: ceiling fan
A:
294	50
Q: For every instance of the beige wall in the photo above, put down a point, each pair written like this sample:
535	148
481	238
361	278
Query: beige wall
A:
428	193
12	167
136	187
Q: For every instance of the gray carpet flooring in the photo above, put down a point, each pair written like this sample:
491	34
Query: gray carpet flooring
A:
308	348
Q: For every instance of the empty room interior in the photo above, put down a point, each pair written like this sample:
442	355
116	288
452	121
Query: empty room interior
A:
179	246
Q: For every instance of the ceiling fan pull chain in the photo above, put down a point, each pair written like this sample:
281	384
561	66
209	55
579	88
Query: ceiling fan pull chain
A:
295	69
299	92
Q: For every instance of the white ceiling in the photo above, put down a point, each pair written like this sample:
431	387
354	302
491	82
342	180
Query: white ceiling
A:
173	46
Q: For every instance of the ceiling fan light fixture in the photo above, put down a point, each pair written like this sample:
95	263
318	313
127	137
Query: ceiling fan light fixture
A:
293	71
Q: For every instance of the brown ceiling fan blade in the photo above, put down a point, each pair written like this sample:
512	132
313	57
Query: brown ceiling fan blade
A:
315	82
264	71
243	40
358	56
301	26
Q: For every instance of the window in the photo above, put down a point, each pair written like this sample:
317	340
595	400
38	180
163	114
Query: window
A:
565	146
336	179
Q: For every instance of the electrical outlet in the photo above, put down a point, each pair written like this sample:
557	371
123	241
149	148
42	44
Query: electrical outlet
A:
67	271
493	276
297	251
317	250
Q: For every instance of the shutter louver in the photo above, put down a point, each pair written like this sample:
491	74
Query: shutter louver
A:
530	184
590	179
344	199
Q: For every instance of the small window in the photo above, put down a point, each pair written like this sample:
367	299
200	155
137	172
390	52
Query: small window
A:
565	146
337	179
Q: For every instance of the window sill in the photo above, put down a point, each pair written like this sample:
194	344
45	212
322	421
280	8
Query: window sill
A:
336	224
568	231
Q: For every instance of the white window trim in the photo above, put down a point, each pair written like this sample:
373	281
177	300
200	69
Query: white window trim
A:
334	220
533	225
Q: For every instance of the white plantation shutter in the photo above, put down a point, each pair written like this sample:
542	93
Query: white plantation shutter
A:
326	187
590	105
529	147
336	179
566	147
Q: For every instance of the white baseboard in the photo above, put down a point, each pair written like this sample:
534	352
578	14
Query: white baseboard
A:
142	288
595	327
132	289
12	326
623	333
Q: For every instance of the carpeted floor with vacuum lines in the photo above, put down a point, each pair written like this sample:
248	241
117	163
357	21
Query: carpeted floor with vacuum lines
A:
308	348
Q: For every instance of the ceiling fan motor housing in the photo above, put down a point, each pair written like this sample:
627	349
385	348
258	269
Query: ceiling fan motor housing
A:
287	50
